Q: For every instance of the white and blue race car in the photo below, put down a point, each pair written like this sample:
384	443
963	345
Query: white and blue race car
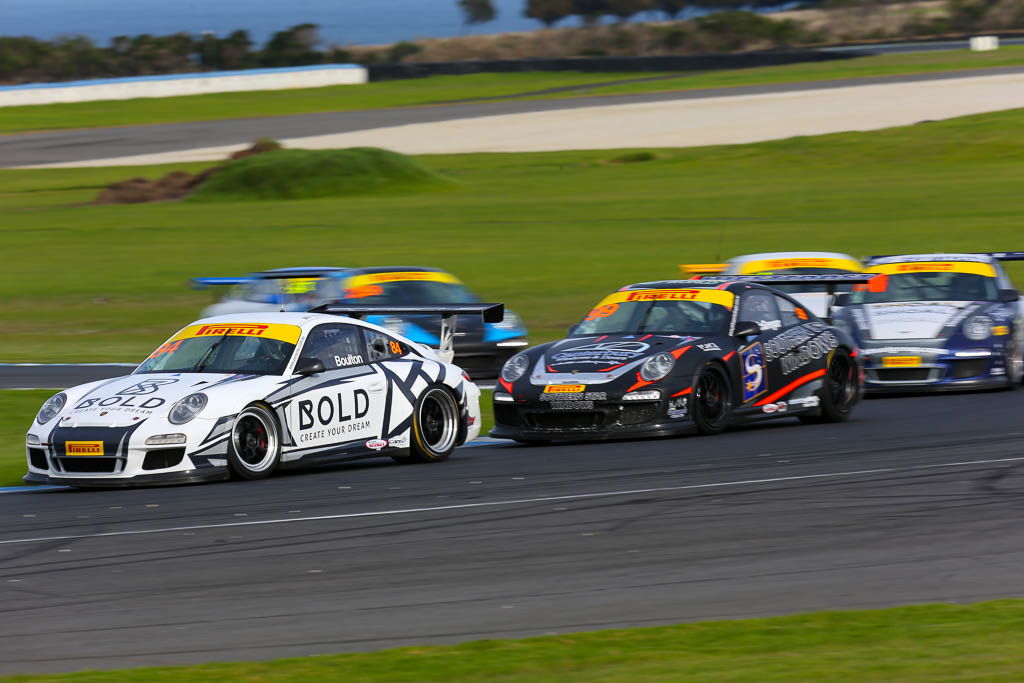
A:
943	321
247	394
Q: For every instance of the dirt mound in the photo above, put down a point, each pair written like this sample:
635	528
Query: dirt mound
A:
174	186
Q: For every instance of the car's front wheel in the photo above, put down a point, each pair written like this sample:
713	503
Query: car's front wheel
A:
254	450
711	400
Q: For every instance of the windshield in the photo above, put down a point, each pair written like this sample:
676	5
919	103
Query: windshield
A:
253	349
808	288
691	313
407	289
272	290
931	286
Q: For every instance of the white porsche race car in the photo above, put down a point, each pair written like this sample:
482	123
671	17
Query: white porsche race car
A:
246	394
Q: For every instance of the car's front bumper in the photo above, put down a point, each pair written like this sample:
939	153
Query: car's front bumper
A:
946	373
163	479
536	421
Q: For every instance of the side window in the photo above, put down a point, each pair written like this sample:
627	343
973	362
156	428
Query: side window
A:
335	345
790	313
759	306
382	347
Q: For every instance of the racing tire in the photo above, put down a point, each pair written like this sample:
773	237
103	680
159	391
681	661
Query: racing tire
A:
1014	365
254	446
436	425
711	400
839	391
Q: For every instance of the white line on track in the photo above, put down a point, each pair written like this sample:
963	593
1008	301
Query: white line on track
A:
514	501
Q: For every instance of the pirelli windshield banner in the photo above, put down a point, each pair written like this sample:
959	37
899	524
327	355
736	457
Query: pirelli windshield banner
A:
711	296
409	276
967	267
285	333
765	266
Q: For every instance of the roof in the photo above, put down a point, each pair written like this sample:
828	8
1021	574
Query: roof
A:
394	269
912	258
300	271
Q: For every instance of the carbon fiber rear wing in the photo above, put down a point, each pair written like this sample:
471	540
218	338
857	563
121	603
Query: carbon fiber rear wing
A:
491	313
874	282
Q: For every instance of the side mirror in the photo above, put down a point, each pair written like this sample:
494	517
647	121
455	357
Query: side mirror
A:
1009	295
307	365
841	299
747	328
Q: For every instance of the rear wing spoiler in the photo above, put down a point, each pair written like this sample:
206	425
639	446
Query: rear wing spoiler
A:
997	255
873	282
491	313
702	268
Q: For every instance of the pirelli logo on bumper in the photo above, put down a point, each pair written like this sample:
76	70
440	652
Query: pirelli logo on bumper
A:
83	447
565	388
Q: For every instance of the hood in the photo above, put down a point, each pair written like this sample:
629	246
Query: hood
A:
914	319
600	358
128	400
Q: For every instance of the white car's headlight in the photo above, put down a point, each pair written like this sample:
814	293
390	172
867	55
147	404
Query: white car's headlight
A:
978	327
515	367
186	409
511	321
53	405
657	366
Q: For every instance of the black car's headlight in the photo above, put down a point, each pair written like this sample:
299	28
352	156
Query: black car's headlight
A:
978	327
657	366
186	409
515	367
53	405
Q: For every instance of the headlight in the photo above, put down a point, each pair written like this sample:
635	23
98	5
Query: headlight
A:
511	321
53	405
186	409
978	327
515	367
657	366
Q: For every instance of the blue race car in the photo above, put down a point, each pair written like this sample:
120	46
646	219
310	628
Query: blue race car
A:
943	321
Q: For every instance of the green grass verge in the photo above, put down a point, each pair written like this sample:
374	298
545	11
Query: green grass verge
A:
546	233
18	408
441	89
926	642
312	174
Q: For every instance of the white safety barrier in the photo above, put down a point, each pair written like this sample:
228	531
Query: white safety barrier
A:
182	84
984	43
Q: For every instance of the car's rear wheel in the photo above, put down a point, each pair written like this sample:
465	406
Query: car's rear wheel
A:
711	400
1014	363
435	425
839	391
254	449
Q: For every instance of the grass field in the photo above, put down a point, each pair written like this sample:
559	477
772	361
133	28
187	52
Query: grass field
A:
18	408
440	89
546	233
927	642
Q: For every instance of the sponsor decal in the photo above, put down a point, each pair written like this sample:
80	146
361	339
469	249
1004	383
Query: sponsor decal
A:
350	359
901	361
1001	330
564	388
332	416
968	267
769	325
813	349
755	374
364	292
771	408
165	348
376	444
761	265
280	332
710	346
601	353
83	447
571	405
399	441
809	402
371	279
601	312
147	387
579	396
676	413
800	313
712	296
780	344
299	285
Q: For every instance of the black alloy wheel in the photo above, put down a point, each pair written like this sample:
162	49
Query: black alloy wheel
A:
839	391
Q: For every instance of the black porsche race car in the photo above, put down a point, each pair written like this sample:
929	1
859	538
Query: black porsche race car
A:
668	357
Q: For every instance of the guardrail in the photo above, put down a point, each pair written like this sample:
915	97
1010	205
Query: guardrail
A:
183	84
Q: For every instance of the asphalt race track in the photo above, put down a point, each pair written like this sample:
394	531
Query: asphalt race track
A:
126	141
918	499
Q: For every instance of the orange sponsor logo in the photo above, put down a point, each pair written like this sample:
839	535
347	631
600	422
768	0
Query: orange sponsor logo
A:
363	292
801	314
83	447
799	263
564	388
243	329
919	267
901	361
666	295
